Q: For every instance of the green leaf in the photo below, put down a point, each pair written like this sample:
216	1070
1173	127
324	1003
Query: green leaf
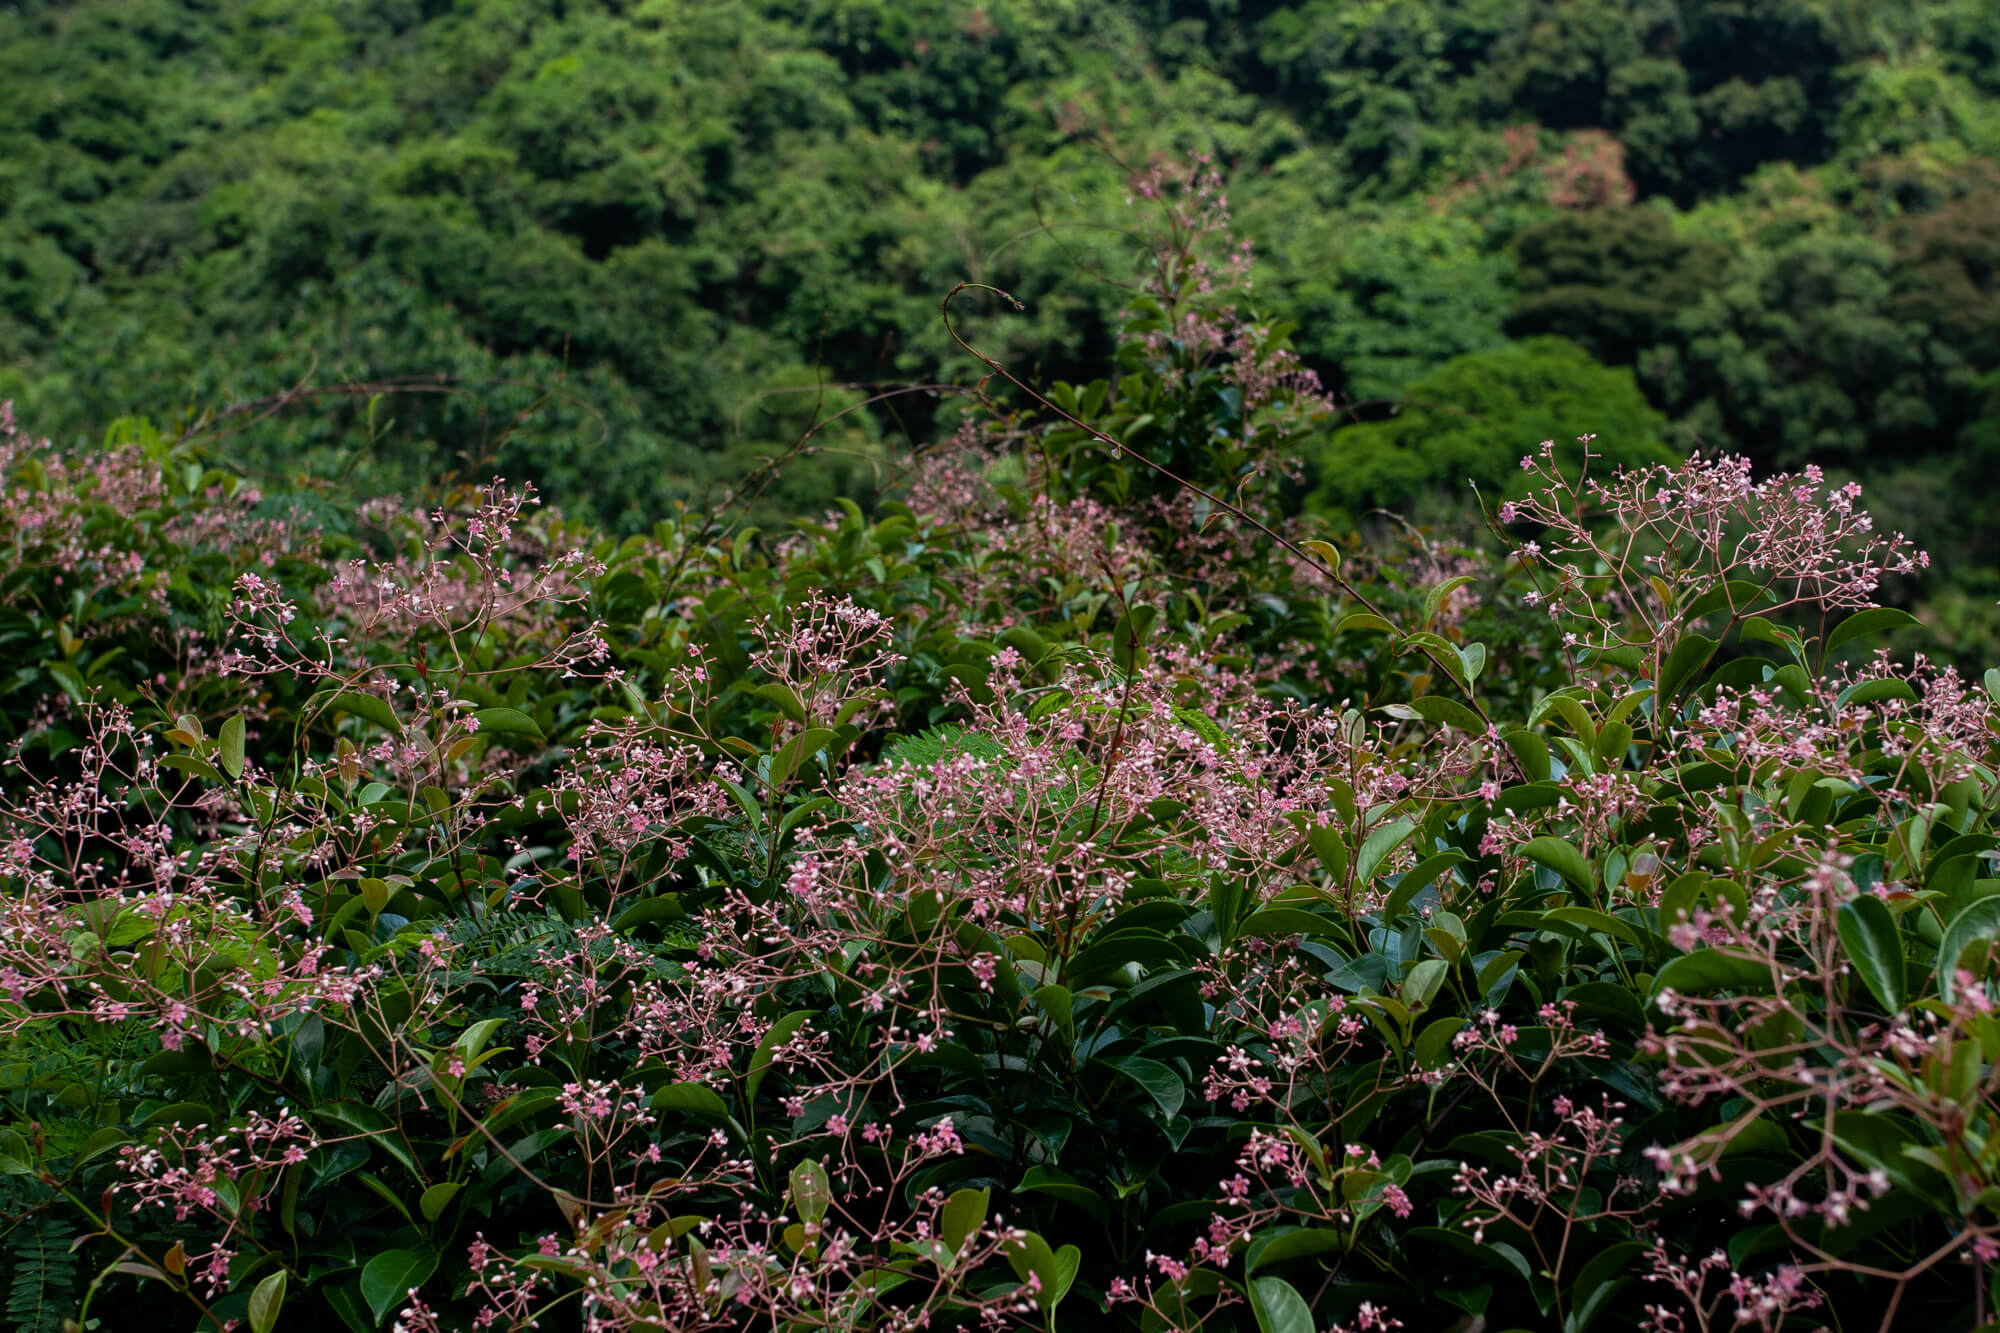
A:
1277	1247
379	1129
1608	1271
388	1279
1531	752
1734	595
1876	691
1861	624
1060	1184
964	1213
1057	1002
201	768
1450	712
1432	1048
364	706
1689	656
1562	858
231	754
473	1040
518	1108
1377	846
1423	982
1056	1270
1327	846
1434	598
438	1198
1442	654
1760	630
696	1097
1593	920
1978	922
1326	551
1128	637
1415	881
1707	970
509	722
812	1190
345	1301
265	1301
785	697
1279	1307
1280	923
1363	620
1874	946
744	801
760	1059
792	755
1161	1083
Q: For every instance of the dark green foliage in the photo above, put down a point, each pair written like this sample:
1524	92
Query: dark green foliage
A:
1803	351
39	1266
609	248
1614	281
1468	423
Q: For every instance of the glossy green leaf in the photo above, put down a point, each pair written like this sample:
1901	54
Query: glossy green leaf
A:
1876	691
1708	970
1562	858
812	1190
1450	713
1433	1046
1687	658
364	706
1056	1270
1860	625
1128	637
1415	880
1059	1184
1277	1247
1363	620
794	753
963	1215
1435	595
1530	751
230	752
438	1198
1874	948
1161	1083
785	697
761	1058
1377	847
389	1277
509	722
1978	923
267	1298
1422	984
1278	1307
1610	1269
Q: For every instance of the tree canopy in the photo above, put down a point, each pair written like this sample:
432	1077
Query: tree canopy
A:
626	248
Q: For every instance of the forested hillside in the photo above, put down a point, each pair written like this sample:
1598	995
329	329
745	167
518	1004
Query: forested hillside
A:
613	247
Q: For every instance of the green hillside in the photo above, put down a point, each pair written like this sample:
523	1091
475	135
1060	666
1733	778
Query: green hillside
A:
618	248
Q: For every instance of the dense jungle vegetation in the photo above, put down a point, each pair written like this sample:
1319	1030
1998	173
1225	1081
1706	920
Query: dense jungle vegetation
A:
1016	786
612	247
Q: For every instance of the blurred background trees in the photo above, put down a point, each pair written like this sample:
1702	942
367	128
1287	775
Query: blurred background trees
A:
626	248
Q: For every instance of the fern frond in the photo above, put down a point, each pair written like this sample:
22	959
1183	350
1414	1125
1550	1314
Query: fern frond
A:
41	1274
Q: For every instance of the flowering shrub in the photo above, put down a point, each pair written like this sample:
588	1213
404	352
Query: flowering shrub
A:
908	924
